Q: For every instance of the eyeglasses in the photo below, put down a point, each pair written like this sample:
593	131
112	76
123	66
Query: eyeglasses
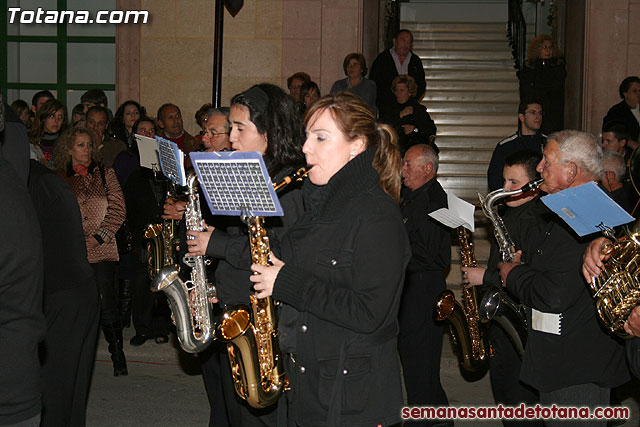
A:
212	133
535	113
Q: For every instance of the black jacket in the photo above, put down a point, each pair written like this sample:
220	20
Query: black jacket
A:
344	267
430	240
423	124
383	71
621	112
543	81
552	282
511	144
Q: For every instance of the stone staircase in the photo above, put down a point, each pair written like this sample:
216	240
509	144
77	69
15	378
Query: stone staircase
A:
472	95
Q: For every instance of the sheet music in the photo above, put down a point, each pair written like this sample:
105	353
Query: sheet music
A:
459	213
587	208
236	183
171	161
148	149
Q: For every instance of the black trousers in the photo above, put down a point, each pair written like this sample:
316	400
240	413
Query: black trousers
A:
239	412
144	301
505	376
212	376
68	354
420	339
105	275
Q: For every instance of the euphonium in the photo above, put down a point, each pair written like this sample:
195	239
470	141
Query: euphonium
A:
617	289
192	311
496	304
252	334
468	334
162	243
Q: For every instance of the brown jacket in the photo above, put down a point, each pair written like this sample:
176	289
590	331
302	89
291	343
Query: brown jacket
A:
102	214
109	150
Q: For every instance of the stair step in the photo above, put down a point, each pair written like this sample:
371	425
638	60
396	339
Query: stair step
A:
484	65
471	107
465	55
469	167
467	142
460	157
465	187
501	119
498	44
492	131
473	85
448	36
449	73
456	27
471	96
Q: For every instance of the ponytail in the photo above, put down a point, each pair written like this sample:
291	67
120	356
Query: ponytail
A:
388	162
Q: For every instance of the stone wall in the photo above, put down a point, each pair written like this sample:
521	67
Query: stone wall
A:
612	52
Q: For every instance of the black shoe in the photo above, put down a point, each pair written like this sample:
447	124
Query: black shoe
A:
113	335
138	340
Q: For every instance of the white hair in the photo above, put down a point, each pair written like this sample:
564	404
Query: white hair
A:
580	148
428	155
613	161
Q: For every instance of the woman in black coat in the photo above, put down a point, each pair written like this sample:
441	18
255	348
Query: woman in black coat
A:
409	118
542	78
629	91
341	273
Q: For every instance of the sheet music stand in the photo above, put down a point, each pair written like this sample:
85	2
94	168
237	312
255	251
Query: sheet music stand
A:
171	161
236	183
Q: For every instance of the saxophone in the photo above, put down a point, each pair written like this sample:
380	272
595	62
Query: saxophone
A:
251	333
163	243
469	336
496	304
617	289
190	306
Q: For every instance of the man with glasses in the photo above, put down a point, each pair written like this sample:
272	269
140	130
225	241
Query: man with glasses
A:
215	129
528	137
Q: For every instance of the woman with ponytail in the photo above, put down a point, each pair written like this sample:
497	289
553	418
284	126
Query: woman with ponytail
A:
340	271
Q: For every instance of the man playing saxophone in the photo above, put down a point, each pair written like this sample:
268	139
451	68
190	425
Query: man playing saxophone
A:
522	222
569	358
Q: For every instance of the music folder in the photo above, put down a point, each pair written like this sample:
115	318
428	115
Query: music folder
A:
457	213
587	209
171	161
148	149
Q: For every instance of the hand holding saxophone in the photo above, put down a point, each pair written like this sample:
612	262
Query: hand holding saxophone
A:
472	276
264	276
593	257
506	267
174	209
197	241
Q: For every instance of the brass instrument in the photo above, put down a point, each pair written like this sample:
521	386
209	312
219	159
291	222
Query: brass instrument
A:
252	334
191	307
617	290
496	304
468	333
162	243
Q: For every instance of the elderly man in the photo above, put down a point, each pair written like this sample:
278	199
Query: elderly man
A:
420	339
170	122
215	129
569	358
394	62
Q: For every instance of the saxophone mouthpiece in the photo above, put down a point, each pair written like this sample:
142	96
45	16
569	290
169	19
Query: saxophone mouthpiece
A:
532	186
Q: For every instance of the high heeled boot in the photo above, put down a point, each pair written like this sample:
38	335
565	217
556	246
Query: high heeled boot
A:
113	335
125	303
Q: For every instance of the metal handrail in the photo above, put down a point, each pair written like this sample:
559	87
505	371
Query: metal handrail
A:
517	33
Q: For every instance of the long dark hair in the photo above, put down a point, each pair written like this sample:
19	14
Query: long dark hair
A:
275	115
48	108
117	128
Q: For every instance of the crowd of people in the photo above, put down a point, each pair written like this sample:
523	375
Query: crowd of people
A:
357	261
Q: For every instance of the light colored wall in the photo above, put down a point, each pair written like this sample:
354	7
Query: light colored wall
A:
176	50
612	52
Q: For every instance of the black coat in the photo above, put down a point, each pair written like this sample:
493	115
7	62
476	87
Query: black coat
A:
383	71
621	112
552	282
344	268
424	127
543	81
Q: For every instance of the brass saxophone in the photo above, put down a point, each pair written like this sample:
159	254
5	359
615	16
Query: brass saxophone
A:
162	242
190	306
496	304
251	334
468	333
617	289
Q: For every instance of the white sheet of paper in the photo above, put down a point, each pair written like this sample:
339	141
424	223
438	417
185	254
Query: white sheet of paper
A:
459	213
148	149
